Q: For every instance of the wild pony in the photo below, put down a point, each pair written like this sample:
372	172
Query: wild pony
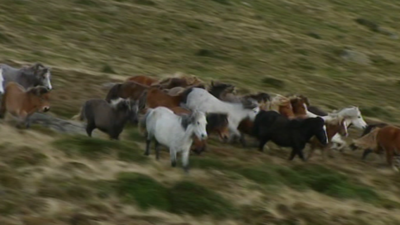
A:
109	118
23	103
174	131
28	76
381	139
298	106
216	123
182	81
282	105
264	99
353	115
293	133
202	100
155	97
145	80
127	89
334	124
217	89
179	90
367	130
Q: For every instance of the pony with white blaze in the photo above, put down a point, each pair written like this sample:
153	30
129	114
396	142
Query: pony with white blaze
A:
174	131
352	116
202	100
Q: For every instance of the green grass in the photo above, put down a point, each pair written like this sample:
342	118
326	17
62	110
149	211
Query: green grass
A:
194	199
182	198
94	148
142	190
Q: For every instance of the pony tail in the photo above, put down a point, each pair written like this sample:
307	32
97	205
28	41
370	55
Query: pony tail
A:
81	115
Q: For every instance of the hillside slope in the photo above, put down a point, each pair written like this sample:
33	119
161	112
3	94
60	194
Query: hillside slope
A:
326	50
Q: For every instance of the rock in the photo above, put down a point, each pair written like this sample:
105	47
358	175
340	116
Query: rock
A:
57	124
314	35
354	56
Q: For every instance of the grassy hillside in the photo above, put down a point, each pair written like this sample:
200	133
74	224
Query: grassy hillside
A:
336	52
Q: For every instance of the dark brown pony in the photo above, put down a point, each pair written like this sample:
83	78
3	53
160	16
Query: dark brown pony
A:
128	89
334	125
145	80
381	140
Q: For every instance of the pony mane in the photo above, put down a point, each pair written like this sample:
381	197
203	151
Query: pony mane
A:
280	100
352	111
115	102
249	103
334	118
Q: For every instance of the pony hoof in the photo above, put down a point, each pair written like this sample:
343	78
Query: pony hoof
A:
186	169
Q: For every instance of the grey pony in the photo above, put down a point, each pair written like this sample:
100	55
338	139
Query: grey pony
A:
28	76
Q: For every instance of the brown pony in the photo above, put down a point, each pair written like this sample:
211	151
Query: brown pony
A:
381	139
334	124
128	89
183	81
145	80
298	106
155	97
283	105
23	103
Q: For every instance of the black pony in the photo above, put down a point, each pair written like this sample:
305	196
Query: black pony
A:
294	133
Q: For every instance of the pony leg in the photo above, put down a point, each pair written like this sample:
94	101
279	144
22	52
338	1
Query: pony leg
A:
261	145
27	122
242	140
389	158
157	148
292	155
366	152
300	153
172	153
185	160
148	142
89	128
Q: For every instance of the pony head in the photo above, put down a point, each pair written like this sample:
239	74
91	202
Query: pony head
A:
199	122
354	117
252	106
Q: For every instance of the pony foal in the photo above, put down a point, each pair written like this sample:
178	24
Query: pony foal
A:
110	118
174	131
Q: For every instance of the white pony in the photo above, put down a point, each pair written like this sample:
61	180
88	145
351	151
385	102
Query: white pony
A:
200	99
1	81
353	117
174	131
